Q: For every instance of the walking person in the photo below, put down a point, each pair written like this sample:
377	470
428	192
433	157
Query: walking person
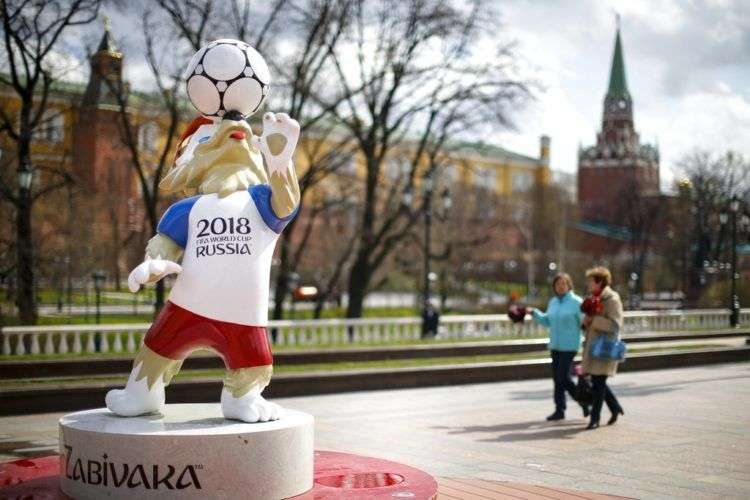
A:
430	320
603	317
563	318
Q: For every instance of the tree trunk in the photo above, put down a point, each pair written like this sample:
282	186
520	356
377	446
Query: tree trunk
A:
25	298
359	279
116	249
152	204
360	273
281	289
118	274
320	302
159	300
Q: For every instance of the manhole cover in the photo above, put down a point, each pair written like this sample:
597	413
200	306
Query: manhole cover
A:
361	480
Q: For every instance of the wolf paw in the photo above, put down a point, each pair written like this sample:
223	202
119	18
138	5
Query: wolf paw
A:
151	270
277	142
136	399
249	408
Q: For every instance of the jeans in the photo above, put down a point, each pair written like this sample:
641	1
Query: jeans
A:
561	362
601	393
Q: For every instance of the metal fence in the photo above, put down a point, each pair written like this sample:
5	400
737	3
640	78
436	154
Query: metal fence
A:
107	339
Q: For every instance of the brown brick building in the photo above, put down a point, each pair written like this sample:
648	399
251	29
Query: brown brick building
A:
96	221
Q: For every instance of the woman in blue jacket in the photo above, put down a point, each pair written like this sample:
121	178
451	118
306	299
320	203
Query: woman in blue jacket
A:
563	318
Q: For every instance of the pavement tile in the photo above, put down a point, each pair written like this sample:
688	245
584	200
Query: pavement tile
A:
684	435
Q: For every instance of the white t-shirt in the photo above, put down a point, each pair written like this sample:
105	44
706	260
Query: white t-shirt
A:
229	244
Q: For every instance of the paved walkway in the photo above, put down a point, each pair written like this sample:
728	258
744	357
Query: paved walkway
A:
685	433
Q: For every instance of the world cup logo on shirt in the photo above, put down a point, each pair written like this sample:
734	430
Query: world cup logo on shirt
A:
223	236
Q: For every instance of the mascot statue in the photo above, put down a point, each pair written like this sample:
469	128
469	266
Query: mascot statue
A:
220	239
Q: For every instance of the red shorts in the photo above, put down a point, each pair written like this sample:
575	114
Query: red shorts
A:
177	332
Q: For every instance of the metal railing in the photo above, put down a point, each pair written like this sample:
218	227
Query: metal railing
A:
111	339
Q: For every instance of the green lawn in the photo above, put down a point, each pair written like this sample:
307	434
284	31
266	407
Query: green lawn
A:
321	367
109	296
142	317
401	343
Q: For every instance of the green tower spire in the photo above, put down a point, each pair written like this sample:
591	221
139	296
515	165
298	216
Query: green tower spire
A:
618	86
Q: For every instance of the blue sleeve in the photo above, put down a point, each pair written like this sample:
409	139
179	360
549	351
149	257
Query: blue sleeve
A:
174	222
540	317
262	197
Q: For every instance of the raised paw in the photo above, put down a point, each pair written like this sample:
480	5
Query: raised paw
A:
278	141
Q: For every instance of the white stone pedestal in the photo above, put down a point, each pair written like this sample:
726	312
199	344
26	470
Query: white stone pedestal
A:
188	452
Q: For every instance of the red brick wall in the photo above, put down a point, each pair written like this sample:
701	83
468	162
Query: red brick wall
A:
600	189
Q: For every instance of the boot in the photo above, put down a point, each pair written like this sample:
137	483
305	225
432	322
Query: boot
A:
558	415
614	416
594	424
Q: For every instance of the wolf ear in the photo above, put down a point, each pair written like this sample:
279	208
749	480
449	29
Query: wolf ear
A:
189	131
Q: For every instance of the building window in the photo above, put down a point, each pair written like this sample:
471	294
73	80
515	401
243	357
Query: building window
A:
521	182
397	168
450	174
346	164
51	127
485	178
147	137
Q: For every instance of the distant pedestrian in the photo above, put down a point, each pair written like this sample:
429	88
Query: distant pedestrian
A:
603	310
563	318
430	320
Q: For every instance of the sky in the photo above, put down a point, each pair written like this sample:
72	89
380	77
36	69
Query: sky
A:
687	64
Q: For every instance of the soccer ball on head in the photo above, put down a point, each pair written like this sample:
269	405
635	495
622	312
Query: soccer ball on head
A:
227	75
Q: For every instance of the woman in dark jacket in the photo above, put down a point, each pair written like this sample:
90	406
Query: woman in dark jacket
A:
563	318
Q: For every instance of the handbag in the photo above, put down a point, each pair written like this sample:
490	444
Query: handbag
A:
610	350
582	393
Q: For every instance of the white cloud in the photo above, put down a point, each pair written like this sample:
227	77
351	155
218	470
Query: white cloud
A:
716	120
686	63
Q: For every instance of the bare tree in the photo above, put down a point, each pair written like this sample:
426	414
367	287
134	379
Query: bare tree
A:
420	87
321	24
31	31
194	20
641	214
710	181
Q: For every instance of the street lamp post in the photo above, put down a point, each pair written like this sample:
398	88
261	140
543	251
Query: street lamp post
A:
428	187
26	296
734	317
294	280
99	278
24	179
428	276
633	286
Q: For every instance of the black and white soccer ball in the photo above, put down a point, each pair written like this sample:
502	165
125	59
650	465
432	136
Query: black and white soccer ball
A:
227	75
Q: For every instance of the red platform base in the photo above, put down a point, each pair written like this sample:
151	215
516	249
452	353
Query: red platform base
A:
338	476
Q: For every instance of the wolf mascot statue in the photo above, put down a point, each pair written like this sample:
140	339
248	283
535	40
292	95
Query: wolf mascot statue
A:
223	238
